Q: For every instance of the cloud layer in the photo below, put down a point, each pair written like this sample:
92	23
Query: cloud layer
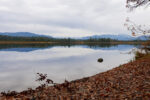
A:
73	18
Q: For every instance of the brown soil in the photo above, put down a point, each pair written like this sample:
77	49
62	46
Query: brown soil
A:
130	81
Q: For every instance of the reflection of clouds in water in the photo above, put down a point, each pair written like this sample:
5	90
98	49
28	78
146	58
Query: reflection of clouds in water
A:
18	69
53	53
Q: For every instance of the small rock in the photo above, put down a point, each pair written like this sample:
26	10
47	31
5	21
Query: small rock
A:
100	60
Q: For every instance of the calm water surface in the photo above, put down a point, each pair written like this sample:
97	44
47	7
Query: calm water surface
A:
19	65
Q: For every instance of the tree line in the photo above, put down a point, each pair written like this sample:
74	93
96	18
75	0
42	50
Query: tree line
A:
50	39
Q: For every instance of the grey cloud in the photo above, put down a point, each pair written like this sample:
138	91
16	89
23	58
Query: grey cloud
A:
66	16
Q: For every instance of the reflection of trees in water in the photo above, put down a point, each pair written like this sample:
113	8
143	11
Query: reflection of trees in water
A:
40	46
105	45
8	46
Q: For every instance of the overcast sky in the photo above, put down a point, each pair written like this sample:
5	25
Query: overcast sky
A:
68	18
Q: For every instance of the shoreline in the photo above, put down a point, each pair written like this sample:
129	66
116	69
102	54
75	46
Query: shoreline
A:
77	42
128	81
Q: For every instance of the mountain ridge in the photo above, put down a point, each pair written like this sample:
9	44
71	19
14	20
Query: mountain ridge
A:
124	37
22	34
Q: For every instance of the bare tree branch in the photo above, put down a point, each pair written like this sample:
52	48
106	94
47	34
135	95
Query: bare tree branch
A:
136	29
131	4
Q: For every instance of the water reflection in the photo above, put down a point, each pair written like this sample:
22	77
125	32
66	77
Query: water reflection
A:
33	47
19	65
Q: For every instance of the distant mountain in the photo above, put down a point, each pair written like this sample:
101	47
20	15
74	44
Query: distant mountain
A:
22	34
116	37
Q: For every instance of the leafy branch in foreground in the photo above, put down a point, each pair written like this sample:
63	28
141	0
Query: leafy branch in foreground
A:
139	30
136	29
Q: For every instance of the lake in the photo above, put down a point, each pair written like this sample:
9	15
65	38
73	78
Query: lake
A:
19	64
